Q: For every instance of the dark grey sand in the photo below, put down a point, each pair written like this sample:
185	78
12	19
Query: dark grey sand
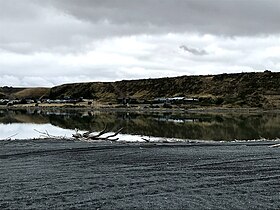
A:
48	174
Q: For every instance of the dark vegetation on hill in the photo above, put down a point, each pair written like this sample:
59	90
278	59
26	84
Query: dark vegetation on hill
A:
231	90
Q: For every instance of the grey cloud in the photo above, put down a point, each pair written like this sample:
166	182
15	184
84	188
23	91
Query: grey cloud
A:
226	17
39	39
193	50
70	25
30	27
19	11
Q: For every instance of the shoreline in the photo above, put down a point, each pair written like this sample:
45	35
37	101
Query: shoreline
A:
143	109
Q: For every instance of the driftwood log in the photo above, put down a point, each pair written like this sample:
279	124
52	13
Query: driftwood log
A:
100	136
275	145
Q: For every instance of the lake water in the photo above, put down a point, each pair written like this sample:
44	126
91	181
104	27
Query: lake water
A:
219	127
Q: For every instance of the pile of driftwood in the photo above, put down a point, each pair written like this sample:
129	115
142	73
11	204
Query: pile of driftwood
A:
46	134
102	135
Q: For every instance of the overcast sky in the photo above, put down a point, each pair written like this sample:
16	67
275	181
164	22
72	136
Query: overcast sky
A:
51	42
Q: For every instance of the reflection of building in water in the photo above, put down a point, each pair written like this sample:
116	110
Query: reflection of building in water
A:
184	120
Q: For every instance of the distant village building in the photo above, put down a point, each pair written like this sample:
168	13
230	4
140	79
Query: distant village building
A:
175	100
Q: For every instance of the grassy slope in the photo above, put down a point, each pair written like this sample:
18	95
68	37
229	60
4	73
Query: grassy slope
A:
238	90
6	92
32	93
20	93
244	89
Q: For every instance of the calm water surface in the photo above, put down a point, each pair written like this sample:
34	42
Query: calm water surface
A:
26	124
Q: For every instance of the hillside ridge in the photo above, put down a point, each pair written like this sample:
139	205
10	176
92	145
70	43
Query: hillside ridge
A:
256	89
21	93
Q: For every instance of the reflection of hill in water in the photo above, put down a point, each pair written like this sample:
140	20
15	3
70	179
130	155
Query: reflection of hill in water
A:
22	116
189	126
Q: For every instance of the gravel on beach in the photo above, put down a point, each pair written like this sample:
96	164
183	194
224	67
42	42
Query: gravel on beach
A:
61	174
